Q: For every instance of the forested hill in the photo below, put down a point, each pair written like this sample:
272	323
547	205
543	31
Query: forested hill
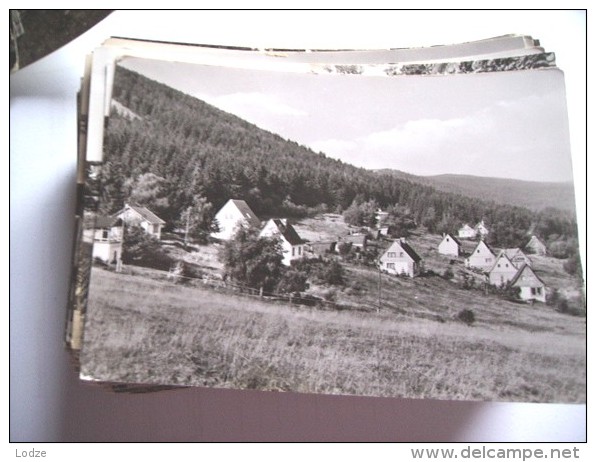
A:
170	149
531	194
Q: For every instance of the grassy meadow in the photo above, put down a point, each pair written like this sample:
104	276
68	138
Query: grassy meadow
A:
143	330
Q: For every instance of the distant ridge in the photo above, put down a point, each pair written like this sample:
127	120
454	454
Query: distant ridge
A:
534	195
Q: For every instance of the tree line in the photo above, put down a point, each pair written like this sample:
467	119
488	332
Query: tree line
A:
184	155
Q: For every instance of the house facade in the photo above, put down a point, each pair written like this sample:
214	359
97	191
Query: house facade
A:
536	246
231	216
481	230
482	257
292	244
450	246
401	259
531	286
107	239
134	215
502	271
466	232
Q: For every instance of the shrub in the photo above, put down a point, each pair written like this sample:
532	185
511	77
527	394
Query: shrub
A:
141	249
466	316
293	280
448	274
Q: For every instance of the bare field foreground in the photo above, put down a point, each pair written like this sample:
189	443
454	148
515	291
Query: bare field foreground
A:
142	330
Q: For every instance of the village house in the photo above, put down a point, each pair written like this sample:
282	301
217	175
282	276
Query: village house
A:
482	257
450	246
536	246
502	271
518	257
292	244
466	232
134	215
231	216
481	230
531	286
107	239
401	259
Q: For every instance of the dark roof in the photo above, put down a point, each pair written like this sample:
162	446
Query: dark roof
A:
288	232
521	270
147	214
406	247
246	212
410	251
102	221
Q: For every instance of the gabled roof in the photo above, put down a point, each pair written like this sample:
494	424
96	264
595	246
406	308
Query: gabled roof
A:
406	247
288	232
466	227
246	211
535	241
522	269
511	253
147	214
452	238
502	254
486	245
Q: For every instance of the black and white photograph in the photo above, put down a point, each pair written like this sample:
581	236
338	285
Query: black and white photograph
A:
353	230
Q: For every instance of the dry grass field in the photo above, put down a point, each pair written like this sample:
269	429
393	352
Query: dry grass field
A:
139	329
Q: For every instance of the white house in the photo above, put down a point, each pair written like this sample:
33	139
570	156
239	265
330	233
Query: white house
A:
400	258
450	246
536	246
292	244
107	239
481	230
231	216
482	257
531	286
466	232
143	217
502	271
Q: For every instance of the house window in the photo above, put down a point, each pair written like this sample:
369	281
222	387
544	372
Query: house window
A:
447	239
104	234
391	254
538	290
488	260
293	251
390	265
499	265
401	254
506	265
478	251
533	290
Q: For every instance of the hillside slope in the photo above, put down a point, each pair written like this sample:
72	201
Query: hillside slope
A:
533	195
179	148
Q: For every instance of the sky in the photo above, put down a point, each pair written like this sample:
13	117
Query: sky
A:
505	124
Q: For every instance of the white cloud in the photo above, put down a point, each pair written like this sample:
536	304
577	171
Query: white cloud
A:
247	104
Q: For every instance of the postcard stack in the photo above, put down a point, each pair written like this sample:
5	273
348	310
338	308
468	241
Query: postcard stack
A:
396	223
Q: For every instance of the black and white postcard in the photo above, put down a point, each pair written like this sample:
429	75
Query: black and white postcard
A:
358	229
